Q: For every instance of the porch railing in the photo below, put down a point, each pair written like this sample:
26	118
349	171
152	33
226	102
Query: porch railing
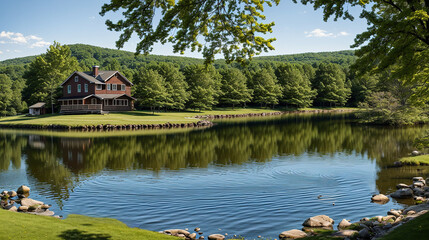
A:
81	107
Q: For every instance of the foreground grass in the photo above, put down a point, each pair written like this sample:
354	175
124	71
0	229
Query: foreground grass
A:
417	160
26	226
122	118
415	229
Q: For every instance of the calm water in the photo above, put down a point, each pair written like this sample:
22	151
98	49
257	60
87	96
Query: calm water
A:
250	177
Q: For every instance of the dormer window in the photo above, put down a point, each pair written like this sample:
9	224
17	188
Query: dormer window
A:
122	87
76	79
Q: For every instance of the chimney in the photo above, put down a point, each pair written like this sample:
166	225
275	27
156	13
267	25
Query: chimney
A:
95	71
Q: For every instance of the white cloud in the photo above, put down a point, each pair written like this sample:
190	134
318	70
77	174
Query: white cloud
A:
19	38
1	52
40	44
323	33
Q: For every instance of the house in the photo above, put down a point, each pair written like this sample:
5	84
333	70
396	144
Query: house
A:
96	92
37	109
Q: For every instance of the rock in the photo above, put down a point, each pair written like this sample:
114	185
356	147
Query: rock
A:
426	189
380	198
201	237
176	232
415	179
364	234
12	209
12	194
292	234
197	229
343	224
192	236
401	185
397	164
402	193
419	184
43	213
388	217
418	191
345	233
394	213
411	212
216	237
318	221
45	206
365	219
419	199
23	208
416	209
30	202
23	190
4	193
415	153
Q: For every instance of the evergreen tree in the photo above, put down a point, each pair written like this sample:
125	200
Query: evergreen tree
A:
203	85
234	87
150	89
175	85
296	86
266	89
331	86
6	94
47	72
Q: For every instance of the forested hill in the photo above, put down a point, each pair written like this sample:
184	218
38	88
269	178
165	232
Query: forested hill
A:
89	55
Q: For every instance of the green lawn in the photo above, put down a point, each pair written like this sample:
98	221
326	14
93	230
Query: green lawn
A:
417	160
123	118
133	117
26	226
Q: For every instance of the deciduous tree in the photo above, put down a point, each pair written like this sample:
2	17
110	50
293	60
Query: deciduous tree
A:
266	89
150	89
234	87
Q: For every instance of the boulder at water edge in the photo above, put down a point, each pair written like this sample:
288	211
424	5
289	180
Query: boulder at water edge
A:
30	202
292	234
343	224
380	198
216	237
318	221
23	190
345	233
402	193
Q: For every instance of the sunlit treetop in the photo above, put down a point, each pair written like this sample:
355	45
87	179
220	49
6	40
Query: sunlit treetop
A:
234	28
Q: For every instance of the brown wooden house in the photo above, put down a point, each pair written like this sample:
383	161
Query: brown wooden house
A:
96	92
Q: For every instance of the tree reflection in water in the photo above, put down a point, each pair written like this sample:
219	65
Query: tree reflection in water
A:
62	162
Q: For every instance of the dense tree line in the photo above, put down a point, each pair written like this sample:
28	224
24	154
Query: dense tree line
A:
166	83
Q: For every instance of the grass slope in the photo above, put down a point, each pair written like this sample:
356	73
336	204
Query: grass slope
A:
26	226
417	160
415	229
134	117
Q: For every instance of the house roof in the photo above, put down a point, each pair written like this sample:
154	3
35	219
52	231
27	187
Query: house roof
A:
38	105
99	96
101	78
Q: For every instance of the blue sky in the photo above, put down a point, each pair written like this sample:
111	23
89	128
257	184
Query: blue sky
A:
28	27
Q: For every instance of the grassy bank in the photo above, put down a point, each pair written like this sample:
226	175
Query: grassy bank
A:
26	226
417	160
122	118
415	229
126	118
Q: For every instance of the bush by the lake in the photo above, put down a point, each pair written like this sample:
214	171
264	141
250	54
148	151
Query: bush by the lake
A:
384	108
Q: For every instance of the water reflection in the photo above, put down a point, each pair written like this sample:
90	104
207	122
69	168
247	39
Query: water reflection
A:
62	162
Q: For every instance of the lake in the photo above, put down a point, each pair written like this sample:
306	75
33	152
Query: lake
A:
247	177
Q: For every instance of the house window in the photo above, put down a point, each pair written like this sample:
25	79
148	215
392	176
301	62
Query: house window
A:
76	79
86	87
109	87
68	89
114	87
99	87
123	87
79	88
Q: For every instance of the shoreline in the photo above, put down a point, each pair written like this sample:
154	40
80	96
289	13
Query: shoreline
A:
204	122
